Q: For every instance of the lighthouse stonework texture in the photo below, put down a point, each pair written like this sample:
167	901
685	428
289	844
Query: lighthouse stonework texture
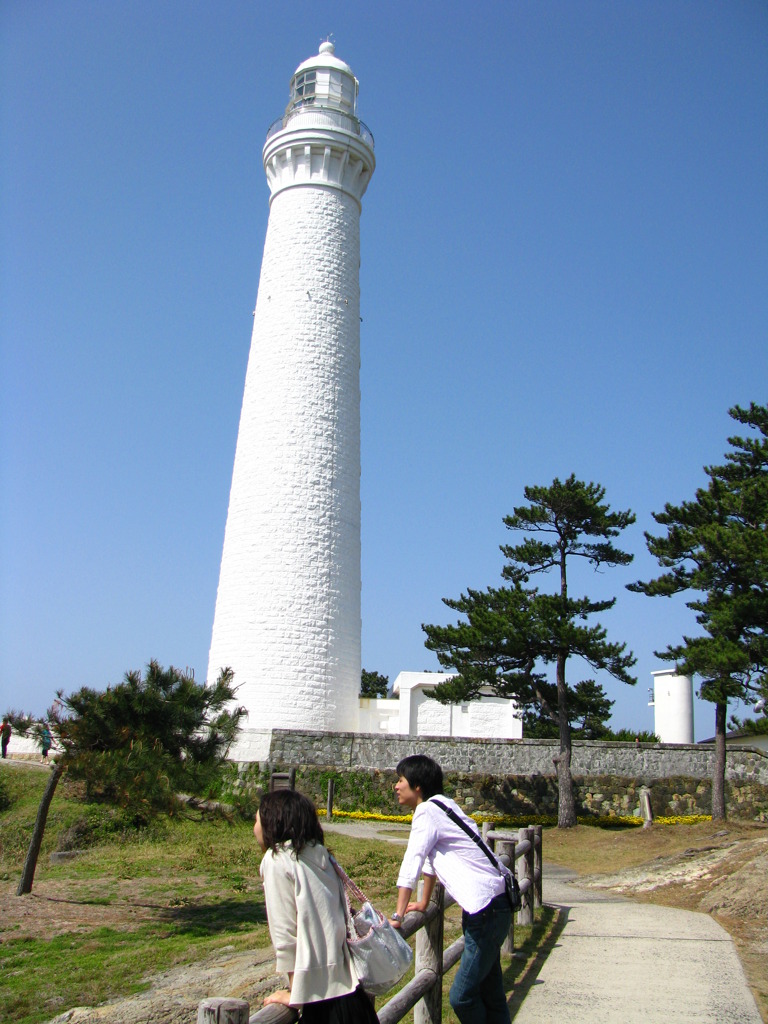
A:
287	617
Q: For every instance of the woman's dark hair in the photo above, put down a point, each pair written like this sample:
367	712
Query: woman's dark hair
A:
420	770
289	817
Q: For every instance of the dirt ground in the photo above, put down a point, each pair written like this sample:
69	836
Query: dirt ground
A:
60	908
56	908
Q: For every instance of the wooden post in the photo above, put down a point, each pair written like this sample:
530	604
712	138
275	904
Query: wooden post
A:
525	870
645	806
506	848
329	804
538	834
223	1011
429	957
282	780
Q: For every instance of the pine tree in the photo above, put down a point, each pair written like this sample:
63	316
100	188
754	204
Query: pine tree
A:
589	709
512	632
716	546
373	684
139	744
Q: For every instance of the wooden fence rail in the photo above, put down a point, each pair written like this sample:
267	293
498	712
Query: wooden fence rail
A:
425	990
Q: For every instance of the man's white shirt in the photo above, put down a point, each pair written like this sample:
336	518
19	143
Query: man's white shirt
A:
438	846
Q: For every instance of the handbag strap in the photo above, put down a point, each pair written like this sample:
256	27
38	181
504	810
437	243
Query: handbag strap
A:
476	839
350	889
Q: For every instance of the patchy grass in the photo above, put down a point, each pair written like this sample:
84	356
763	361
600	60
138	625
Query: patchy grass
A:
136	902
589	850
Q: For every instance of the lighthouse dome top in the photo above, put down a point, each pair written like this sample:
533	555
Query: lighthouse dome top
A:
325	58
324	81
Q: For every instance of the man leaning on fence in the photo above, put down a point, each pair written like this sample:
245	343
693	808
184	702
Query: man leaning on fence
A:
446	853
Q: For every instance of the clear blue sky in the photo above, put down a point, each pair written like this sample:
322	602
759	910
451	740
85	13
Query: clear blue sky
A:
564	269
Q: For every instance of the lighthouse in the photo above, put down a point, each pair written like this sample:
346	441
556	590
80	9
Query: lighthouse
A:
287	617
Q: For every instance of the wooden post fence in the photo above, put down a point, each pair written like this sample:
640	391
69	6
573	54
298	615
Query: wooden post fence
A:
282	780
538	848
429	957
222	1011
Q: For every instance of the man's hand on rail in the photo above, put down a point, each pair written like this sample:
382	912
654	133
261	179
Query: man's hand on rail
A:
426	892
403	896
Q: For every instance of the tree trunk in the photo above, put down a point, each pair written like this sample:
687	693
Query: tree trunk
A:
28	873
566	806
718	772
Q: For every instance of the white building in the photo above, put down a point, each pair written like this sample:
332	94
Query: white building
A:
411	712
287	616
743	738
672	703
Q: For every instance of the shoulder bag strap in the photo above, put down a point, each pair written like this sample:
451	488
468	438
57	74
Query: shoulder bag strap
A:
476	839
350	889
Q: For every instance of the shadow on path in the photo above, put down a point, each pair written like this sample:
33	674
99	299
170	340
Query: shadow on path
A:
529	978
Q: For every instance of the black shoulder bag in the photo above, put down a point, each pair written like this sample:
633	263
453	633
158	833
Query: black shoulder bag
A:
510	879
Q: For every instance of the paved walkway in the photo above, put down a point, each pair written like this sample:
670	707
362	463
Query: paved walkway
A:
620	962
616	960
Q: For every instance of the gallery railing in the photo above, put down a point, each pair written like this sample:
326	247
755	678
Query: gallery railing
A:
322	117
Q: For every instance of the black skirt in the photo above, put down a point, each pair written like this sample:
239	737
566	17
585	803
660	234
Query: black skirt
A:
355	1008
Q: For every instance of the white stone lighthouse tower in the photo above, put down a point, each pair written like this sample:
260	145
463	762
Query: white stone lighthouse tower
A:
287	614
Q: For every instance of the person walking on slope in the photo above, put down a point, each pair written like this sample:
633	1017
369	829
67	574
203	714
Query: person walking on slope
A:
46	740
446	853
5	736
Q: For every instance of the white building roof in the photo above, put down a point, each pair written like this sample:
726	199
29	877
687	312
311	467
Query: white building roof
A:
413	680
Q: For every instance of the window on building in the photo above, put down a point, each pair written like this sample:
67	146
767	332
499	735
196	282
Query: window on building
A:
304	87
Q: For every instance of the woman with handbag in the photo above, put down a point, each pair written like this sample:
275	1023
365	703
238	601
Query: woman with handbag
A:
307	914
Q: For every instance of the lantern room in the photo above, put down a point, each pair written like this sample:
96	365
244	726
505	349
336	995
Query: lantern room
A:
324	81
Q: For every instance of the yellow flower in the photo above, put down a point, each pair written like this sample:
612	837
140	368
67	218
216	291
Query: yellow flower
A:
524	821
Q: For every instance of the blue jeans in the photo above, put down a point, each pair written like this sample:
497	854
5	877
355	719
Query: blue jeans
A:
477	993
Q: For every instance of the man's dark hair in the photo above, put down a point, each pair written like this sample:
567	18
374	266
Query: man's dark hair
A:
288	816
420	770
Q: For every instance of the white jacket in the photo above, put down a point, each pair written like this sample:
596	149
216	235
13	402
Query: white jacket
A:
307	922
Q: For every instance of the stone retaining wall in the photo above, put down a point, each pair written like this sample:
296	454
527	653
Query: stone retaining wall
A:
368	789
518	776
516	757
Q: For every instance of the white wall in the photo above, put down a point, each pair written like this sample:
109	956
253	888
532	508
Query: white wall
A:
24	745
411	712
251	745
379	714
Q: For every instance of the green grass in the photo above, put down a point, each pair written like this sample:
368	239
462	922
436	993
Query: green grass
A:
83	970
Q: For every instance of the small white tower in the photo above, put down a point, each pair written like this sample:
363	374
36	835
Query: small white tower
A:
672	703
287	614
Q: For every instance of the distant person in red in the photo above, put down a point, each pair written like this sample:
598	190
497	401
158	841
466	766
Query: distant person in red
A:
5	734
